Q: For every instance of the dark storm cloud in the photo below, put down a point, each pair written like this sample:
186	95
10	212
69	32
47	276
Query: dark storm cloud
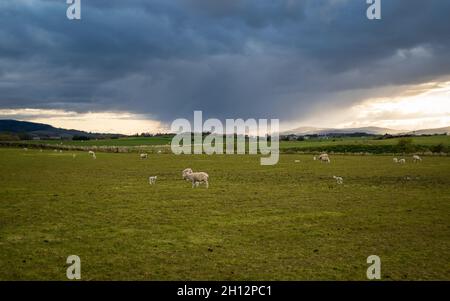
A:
230	58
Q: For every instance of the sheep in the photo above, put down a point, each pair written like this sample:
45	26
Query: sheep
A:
324	158
152	180
94	156
60	150
297	161
314	158
144	156
159	152
395	160
416	159
40	150
402	161
339	180
197	177
55	150
25	149
91	152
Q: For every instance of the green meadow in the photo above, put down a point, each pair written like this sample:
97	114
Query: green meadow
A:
290	221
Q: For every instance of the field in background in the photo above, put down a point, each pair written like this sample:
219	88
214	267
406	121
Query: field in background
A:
290	221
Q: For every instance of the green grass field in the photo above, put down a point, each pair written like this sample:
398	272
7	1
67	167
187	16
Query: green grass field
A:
290	221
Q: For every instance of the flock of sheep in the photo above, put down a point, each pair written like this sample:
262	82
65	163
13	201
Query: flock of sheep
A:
339	180
197	178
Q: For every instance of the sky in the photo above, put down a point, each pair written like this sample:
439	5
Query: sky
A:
135	66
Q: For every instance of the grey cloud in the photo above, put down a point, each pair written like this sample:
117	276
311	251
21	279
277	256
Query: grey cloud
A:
229	58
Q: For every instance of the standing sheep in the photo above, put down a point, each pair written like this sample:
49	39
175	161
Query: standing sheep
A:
402	161
144	156
197	177
339	180
152	180
416	159
395	160
324	158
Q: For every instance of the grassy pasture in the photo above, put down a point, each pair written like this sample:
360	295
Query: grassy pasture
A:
290	221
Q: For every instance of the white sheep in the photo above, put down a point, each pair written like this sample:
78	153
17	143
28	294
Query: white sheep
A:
144	156
314	158
297	161
55	150
324	158
152	180
91	153
25	149
416	159
159	152
197	177
402	161
339	180
94	156
395	160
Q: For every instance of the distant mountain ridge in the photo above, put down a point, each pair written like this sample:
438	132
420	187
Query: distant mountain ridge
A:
41	130
302	131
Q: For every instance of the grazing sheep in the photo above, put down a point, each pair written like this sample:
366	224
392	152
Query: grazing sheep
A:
144	156
197	177
152	180
297	161
324	158
60	150
55	150
416	159
339	180
402	161
395	160
94	156
159	152
25	149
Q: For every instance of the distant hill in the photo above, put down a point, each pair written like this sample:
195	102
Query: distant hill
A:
444	130
327	131
367	130
43	131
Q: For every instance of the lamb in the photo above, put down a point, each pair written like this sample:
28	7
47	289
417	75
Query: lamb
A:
324	158
197	177
339	180
416	159
144	156
395	160
402	161
152	180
